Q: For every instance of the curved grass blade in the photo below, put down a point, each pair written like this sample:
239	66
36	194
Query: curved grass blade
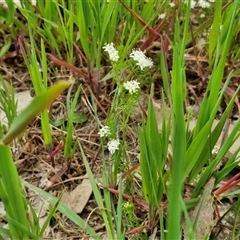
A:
38	104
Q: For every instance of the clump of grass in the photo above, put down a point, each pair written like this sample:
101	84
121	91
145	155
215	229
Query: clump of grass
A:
13	197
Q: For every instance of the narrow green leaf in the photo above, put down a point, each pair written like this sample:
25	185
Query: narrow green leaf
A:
5	47
38	104
214	32
11	192
65	210
97	195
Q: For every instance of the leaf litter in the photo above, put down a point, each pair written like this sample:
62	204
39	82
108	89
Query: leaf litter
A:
79	196
203	213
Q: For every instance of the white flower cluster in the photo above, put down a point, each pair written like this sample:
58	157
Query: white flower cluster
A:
162	16
215	150
141	59
112	52
203	4
137	55
193	3
132	86
113	144
104	131
200	3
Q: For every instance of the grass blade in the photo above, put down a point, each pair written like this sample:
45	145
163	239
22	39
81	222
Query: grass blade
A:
37	105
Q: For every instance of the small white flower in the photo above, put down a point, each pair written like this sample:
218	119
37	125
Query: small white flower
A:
193	4
132	86
104	131
142	60
215	150
172	4
205	33
161	16
112	52
220	28
203	4
113	145
202	15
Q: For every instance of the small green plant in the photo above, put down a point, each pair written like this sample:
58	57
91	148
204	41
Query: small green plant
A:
125	99
11	190
40	82
153	158
130	219
8	104
69	146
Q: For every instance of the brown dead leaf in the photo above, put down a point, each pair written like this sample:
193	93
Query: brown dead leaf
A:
78	198
206	220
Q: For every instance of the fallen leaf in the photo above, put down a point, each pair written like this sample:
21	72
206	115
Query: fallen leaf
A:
78	198
205	212
23	99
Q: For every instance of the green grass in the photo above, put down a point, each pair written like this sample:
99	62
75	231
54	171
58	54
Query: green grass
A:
171	156
11	188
